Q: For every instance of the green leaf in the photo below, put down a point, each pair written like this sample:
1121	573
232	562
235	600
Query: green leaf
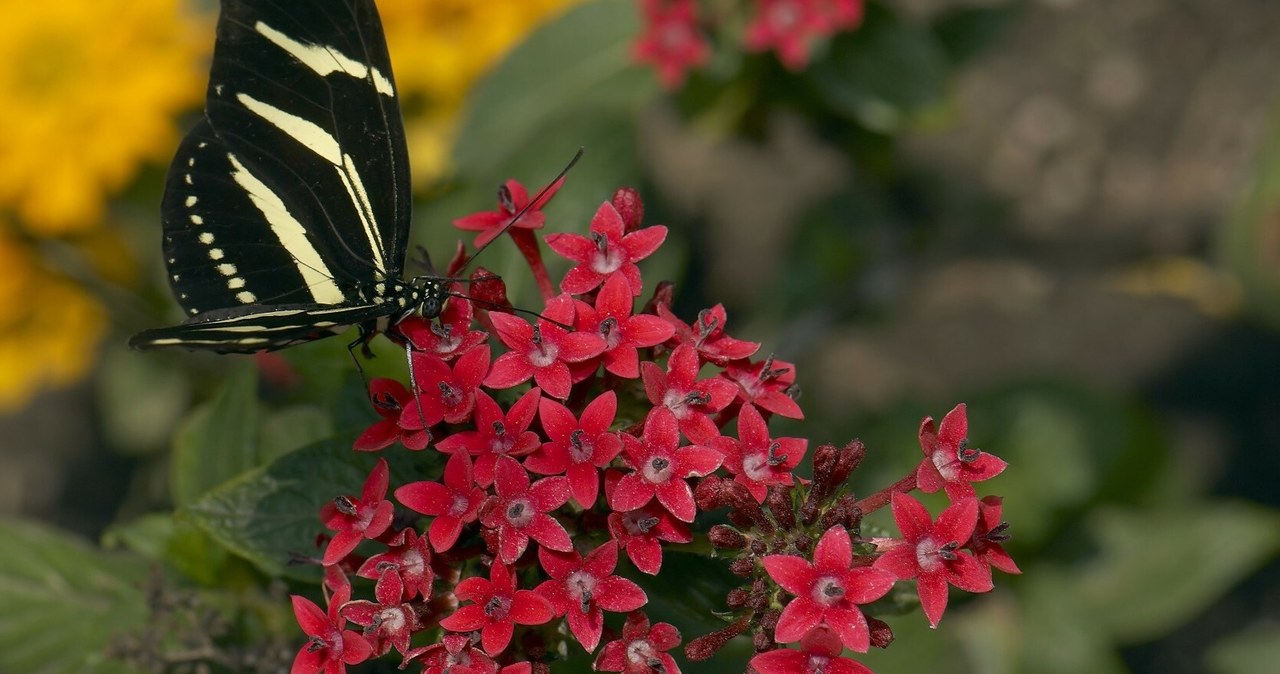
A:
579	61
1246	651
270	515
65	602
1159	568
292	427
218	441
885	75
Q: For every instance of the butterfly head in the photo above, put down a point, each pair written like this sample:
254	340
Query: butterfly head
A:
430	295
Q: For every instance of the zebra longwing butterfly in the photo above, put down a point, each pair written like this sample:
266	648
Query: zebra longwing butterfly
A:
286	210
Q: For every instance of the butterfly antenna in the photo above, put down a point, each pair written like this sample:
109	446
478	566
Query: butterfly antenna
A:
529	206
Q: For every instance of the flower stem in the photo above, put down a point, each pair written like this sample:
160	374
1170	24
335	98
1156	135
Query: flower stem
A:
528	245
881	498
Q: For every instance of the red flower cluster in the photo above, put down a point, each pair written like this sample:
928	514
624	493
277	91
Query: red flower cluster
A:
598	431
673	39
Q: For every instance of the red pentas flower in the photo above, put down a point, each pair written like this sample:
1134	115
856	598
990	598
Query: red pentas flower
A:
756	460
542	351
388	622
691	400
496	609
785	26
389	398
512	198
449	336
577	449
453	504
457	654
820	651
827	591
929	551
444	393
582	589
355	519
949	462
623	333
661	467
990	534
768	384
641	649
707	335
671	40
519	511
609	250
496	434
330	648
409	557
642	532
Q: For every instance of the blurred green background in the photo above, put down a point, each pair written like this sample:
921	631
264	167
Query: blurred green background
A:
1065	213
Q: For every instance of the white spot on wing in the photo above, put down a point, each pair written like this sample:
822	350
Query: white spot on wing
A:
246	297
206	238
196	220
191	201
235	283
227	269
215	254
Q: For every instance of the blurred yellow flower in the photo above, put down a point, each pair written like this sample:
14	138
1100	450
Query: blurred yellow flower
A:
49	326
88	91
439	48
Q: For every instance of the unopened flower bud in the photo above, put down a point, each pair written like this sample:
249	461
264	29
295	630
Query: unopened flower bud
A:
737	597
881	633
663	295
743	566
726	537
629	205
488	289
780	506
762	642
769	621
711	493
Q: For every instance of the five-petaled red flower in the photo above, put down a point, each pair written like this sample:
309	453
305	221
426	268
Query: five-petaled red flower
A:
453	504
389	398
387	623
707	335
449	336
445	393
498	607
787	27
542	352
512	198
820	651
609	250
330	648
355	519
496	434
623	333
457	654
519	511
409	556
641	649
642	532
578	449
690	399
661	467
949	462
930	552
755	460
827	591
768	384
583	588
671	40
